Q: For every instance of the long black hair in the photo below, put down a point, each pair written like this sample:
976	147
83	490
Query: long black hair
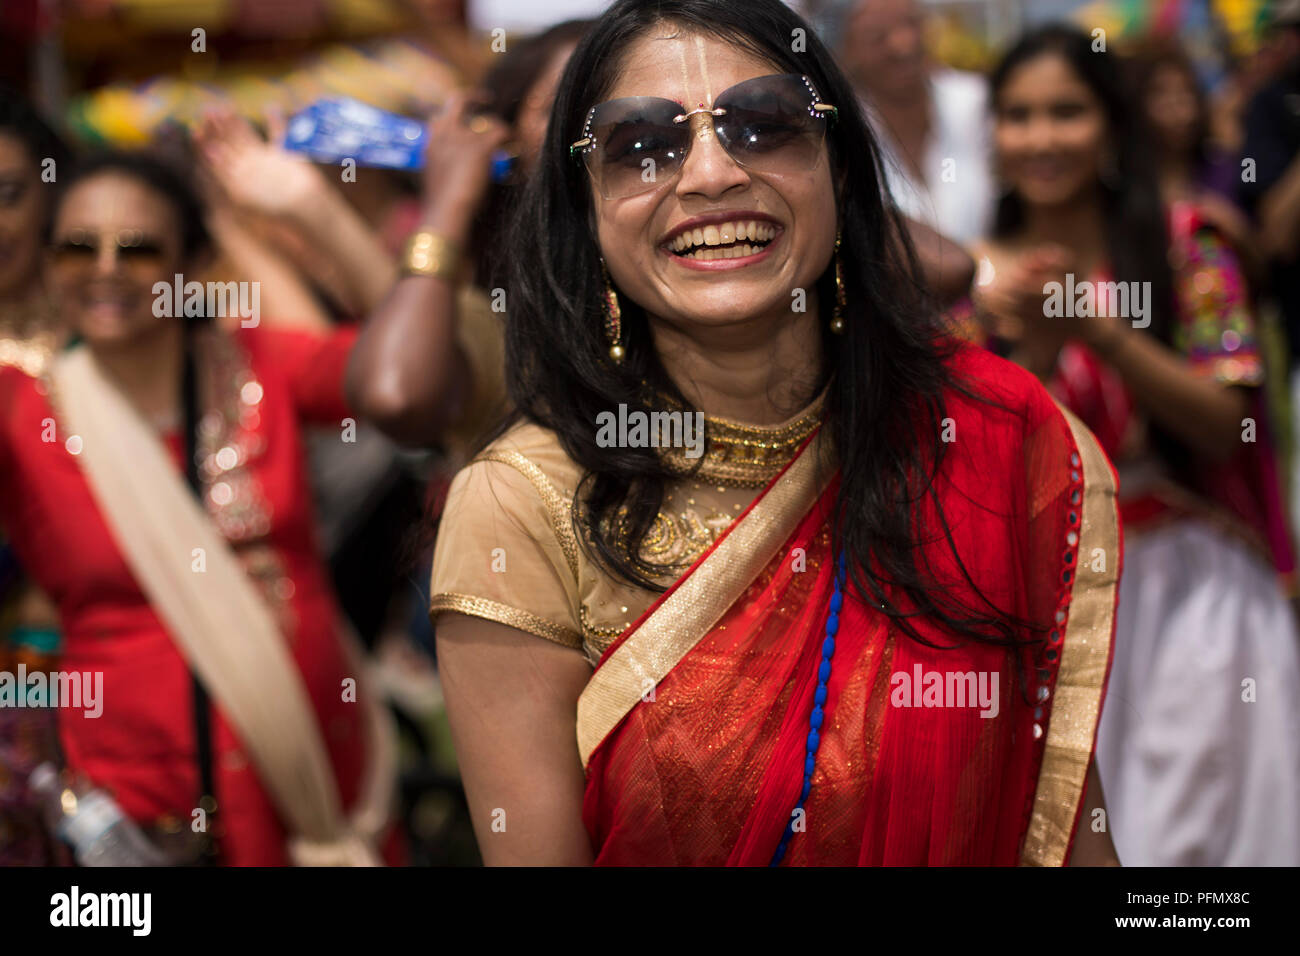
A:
1137	240
20	121
886	375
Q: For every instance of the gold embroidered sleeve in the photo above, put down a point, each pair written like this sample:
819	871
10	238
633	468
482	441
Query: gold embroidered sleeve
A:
498	556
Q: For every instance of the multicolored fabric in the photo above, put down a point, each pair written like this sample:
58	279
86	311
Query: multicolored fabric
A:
1217	333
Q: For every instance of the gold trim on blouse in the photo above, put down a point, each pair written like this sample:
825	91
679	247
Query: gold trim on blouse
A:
737	456
1089	631
504	614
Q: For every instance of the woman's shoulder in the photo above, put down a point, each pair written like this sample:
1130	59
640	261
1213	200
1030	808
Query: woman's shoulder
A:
532	450
506	548
988	385
23	363
1002	417
523	475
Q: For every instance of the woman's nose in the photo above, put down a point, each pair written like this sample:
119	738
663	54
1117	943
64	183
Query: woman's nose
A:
106	257
708	169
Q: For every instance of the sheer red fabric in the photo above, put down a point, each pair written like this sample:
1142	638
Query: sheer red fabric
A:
928	755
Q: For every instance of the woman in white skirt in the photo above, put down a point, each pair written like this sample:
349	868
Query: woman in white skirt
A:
1138	318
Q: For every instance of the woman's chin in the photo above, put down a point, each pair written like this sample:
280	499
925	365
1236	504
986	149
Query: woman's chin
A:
730	311
1052	192
112	329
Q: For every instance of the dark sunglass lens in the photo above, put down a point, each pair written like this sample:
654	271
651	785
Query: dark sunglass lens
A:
768	123
638	144
633	142
143	250
75	250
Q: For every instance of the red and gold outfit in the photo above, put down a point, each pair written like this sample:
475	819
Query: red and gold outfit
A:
693	726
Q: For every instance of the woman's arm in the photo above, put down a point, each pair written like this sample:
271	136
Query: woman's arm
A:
512	705
261	176
1204	413
407	375
1091	847
947	267
284	298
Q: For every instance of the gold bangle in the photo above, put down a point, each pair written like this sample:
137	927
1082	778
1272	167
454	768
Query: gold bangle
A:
429	254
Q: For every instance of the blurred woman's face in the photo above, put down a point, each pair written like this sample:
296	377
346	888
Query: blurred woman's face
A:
884	48
22	219
535	110
1050	132
114	238
678	249
1172	108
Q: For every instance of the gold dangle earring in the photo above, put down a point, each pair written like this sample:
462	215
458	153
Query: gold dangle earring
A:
613	318
837	317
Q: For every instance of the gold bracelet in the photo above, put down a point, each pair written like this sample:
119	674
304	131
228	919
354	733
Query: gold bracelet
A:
429	254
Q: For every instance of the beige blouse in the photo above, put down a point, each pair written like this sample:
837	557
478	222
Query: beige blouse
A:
508	551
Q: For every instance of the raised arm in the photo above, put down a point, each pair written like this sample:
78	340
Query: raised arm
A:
407	374
261	176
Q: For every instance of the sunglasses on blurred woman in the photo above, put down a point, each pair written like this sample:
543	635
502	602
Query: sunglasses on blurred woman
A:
79	250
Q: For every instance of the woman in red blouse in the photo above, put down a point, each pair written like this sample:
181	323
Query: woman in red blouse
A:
122	226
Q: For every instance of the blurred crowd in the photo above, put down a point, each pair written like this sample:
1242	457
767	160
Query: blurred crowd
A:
317	432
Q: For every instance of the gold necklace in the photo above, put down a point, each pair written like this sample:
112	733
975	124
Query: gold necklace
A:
738	455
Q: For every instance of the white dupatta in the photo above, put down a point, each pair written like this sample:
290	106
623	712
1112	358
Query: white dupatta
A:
222	625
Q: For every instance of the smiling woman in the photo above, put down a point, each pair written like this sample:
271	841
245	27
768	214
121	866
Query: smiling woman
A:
152	483
706	232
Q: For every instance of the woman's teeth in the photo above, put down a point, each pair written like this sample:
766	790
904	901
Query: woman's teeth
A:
729	252
724	240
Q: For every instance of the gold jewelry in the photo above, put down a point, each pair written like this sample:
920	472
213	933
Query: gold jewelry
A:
837	318
480	124
429	254
739	455
613	318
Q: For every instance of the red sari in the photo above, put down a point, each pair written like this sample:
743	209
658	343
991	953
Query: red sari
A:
694	725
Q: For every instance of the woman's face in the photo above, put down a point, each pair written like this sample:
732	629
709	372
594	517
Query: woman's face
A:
114	238
22	219
885	48
635	234
535	110
1172	108
1050	132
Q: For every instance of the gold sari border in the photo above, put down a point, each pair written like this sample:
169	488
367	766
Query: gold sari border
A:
503	614
692	609
1085	657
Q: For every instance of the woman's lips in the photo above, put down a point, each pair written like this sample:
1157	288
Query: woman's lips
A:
723	265
1044	169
